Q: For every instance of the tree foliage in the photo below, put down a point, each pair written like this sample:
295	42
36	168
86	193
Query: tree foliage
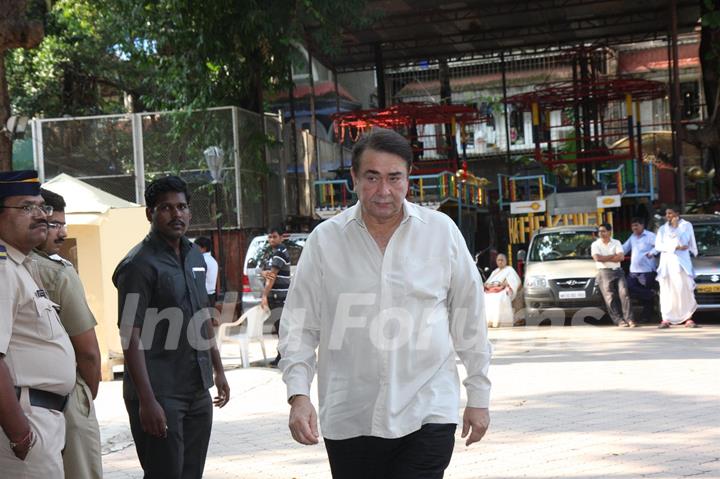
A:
167	54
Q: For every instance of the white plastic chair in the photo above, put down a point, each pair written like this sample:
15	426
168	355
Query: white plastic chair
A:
255	317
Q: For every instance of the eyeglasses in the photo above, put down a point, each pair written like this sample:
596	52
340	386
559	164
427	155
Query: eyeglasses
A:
54	225
33	209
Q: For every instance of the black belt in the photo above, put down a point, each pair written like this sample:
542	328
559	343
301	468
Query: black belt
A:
44	399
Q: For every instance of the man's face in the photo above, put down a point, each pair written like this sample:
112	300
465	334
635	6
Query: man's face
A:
171	216
672	216
604	233
21	229
381	184
274	239
56	233
637	228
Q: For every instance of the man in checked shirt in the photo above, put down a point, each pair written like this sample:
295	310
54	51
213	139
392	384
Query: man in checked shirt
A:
387	293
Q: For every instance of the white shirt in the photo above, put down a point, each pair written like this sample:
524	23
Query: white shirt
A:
211	272
387	327
610	248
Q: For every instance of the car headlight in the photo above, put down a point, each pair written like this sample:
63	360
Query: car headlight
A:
536	282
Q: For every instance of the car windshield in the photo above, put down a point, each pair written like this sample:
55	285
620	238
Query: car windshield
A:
707	237
562	245
294	247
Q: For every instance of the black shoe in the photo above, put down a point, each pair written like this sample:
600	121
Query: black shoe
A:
274	362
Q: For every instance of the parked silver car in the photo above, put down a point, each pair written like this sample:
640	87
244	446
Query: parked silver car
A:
560	272
707	262
258	251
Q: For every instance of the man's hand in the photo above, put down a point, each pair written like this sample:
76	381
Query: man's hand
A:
223	389
264	303
269	275
682	247
649	254
152	418
24	445
477	419
303	421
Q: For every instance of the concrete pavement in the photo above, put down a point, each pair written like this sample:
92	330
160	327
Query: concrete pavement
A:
578	402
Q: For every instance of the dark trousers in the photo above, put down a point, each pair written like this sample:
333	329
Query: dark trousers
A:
424	454
614	290
182	454
642	287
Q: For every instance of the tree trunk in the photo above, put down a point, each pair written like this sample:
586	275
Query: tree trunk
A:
707	138
15	32
5	143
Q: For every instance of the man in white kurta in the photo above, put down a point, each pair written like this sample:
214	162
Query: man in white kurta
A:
387	293
675	241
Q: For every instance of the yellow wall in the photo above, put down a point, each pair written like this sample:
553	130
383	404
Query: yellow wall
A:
100	247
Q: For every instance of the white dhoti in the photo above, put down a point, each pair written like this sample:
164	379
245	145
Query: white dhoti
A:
677	297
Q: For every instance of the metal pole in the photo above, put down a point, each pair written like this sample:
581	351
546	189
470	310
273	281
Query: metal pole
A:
293	140
380	77
677	111
505	108
138	157
313	129
337	110
221	249
237	165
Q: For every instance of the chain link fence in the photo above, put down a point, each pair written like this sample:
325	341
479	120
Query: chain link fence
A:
120	153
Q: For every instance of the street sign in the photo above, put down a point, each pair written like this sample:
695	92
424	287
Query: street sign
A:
609	201
525	207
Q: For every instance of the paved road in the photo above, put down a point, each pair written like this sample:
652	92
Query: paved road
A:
579	402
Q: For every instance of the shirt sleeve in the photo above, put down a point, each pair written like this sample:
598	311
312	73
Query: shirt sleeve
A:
279	260
692	244
619	247
300	322
627	247
75	313
594	249
134	281
8	304
468	326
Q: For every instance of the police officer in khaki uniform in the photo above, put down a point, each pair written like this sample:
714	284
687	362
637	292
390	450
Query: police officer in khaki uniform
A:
37	363
82	455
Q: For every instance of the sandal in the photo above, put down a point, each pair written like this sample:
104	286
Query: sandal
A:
664	325
690	324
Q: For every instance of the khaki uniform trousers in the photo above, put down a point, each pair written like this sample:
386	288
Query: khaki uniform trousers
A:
44	460
82	457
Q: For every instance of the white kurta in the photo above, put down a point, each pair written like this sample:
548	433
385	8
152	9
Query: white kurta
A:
675	272
499	305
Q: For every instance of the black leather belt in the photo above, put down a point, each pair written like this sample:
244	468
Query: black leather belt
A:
44	399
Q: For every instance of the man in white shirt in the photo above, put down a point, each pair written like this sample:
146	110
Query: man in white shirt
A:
608	253
211	272
388	293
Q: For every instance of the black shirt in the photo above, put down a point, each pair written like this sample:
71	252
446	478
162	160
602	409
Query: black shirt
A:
168	291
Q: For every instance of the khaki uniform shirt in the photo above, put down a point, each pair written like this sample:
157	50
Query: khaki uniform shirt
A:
36	348
64	288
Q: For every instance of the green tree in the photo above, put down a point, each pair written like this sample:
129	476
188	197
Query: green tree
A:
16	31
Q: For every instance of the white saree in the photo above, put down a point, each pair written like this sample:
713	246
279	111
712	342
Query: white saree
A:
498	305
675	273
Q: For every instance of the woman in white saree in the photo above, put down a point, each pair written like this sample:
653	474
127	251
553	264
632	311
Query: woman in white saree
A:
675	240
500	290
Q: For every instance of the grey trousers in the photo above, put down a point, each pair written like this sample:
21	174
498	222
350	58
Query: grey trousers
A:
615	292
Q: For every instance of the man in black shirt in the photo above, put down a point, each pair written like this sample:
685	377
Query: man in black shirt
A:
276	272
169	346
